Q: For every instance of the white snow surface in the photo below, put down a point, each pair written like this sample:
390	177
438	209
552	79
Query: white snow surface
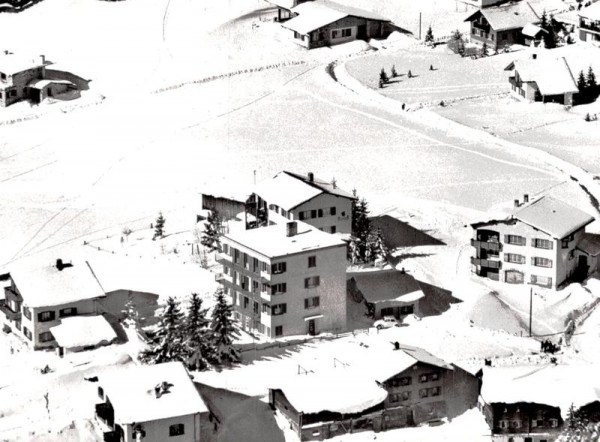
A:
81	331
555	385
131	392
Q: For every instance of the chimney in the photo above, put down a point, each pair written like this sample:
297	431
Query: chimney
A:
403	271
516	203
43	59
291	228
59	264
5	52
311	177
396	345
534	56
525	198
157	391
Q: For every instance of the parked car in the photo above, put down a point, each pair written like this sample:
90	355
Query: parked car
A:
386	322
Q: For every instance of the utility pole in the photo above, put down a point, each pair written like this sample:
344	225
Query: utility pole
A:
419	26
254	176
530	308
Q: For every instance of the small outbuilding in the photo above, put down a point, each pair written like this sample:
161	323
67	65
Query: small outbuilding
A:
321	23
77	333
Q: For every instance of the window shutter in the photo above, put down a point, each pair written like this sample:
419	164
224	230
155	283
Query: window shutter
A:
283	308
306	280
39	316
532	261
549	263
306	303
551	244
506	238
316	301
506	257
317	281
283	287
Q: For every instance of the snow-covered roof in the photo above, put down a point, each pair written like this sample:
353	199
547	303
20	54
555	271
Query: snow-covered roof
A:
272	241
13	63
313	15
339	391
387	285
81	331
553	216
592	12
285	4
131	392
40	84
511	16
545	213
531	30
554	385
590	245
41	284
552	75
288	190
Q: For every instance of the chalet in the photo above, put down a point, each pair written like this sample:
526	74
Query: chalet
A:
501	26
284	8
38	297
315	201
537	242
533	34
388	292
589	24
153	403
26	79
548	80
321	23
375	389
531	403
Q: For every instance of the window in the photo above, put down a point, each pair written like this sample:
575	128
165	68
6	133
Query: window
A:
64	312
554	423
423	378
226	249
313	213
435	391
332	211
514	258
394	398
403	381
255	286
265	309
279	330
301	216
284	213
311	302
541	243
279	267
27	333
27	312
2	76
333	229
12	93
46	316
245	282
312	261
541	262
335	34
236	255
566	240
503	424
347	32
278	309
176	430
277	289
233	298
256	308
255	265
423	393
407	309
246	301
405	395
246	262
313	281
514	240
434	377
514	277
320	213
45	337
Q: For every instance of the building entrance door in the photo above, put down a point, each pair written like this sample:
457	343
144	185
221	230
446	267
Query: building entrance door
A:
311	327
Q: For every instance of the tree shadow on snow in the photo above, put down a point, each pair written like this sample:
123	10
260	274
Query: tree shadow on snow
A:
240	417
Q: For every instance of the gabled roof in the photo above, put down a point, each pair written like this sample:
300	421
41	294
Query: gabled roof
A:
43	285
547	214
531	30
387	285
590	244
288	190
131	392
551	75
511	16
592	12
12	64
315	14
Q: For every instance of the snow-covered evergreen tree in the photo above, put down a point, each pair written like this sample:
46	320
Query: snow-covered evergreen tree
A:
196	335
130	313
224	331
383	77
394	73
159	226
361	225
211	235
592	84
166	345
378	247
429	35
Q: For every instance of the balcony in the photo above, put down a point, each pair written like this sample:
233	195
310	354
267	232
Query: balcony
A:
265	276
222	258
8	312
222	277
343	217
486	245
483	27
593	26
486	263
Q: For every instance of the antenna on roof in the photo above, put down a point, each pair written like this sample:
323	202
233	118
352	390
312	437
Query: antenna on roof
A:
342	363
334	183
302	370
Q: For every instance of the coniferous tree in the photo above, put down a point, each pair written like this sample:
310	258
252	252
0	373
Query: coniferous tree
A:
383	77
224	331
166	345
583	94
394	73
211	235
159	227
361	226
591	84
378	246
429	35
197	335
